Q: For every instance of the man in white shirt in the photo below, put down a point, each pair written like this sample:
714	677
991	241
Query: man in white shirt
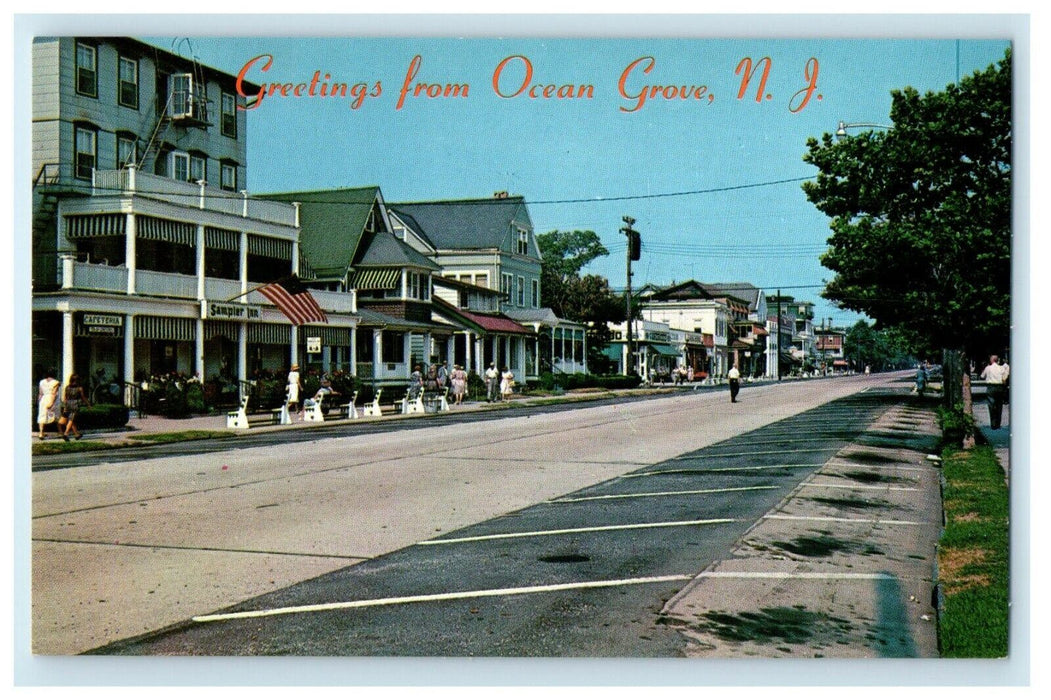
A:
996	375
735	382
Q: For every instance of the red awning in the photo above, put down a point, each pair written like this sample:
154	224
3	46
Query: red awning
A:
495	324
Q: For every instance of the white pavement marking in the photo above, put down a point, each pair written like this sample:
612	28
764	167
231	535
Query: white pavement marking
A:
858	488
660	493
770	452
660	472
460	595
845	520
570	531
796	574
875	466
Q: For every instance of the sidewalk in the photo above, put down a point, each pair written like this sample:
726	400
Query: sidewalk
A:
999	440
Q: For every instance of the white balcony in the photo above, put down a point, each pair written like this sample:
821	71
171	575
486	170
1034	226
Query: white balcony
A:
167	284
93	276
131	181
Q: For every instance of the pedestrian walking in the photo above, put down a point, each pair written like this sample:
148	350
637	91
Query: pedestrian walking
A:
443	376
459	384
507	383
492	383
73	398
47	397
995	376
735	382
921	379
415	383
293	387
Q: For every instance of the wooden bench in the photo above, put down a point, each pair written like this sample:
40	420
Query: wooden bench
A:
349	409
314	409
412	405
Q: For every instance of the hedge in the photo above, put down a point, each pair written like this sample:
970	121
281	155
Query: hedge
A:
548	381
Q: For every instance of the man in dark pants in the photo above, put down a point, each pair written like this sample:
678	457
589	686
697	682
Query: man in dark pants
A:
995	376
735	382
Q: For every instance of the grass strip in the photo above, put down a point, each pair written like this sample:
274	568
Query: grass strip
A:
180	436
973	556
58	446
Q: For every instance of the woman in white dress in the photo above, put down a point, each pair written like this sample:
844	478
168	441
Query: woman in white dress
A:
294	386
47	397
507	383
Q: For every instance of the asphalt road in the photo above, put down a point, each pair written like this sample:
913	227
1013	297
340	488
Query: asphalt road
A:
556	533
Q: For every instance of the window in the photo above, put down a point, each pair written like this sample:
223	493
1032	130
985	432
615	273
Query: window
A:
127	150
521	291
86	154
506	282
197	167
523	242
128	82
228	120
393	346
419	286
535	293
482	280
228	177
185	98
179	165
87	71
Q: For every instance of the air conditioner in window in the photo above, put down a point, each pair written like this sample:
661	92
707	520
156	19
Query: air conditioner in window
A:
186	97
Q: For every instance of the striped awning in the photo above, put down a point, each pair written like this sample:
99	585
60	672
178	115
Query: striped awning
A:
165	328
154	229
221	239
377	278
269	334
330	336
267	247
95	226
227	329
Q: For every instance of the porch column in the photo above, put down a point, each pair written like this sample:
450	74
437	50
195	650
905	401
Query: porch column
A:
129	250
199	350
200	263
243	245
468	341
426	350
294	338
377	352
129	348
450	349
242	353
67	347
352	356
407	353
494	344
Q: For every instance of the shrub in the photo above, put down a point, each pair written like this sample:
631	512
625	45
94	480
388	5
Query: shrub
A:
955	423
102	416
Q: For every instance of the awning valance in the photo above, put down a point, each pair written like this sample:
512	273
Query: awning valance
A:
165	328
666	350
222	239
330	336
377	278
269	334
153	229
95	225
228	329
267	247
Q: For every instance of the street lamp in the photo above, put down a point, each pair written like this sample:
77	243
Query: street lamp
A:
841	131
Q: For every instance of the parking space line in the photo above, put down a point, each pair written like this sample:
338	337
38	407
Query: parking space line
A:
576	530
867	521
459	595
857	488
660	493
660	472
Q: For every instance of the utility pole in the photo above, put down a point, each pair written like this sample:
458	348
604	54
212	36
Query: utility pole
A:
634	253
778	335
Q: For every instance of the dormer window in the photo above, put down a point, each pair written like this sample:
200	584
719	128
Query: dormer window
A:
523	242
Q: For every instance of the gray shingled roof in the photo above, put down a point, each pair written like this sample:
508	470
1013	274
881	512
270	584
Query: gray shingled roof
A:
385	250
467	224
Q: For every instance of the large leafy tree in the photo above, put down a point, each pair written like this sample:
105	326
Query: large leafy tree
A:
586	299
921	214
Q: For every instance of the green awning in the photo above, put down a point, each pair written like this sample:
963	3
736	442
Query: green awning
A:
666	350
377	278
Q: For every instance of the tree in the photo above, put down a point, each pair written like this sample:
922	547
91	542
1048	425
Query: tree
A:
921	214
563	255
864	346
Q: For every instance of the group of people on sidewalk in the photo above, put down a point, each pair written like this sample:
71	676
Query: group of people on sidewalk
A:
51	409
499	383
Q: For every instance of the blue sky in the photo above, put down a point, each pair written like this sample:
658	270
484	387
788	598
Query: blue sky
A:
583	163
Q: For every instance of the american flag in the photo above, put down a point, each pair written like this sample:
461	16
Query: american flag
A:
294	301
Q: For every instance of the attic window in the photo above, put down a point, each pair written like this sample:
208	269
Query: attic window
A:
523	242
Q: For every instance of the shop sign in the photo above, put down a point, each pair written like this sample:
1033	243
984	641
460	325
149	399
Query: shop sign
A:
229	311
109	325
313	345
658	336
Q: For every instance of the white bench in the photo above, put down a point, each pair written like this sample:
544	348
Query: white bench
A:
350	409
373	409
413	405
241	420
314	409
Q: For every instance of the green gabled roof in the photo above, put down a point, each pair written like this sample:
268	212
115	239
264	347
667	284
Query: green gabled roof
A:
332	223
468	223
